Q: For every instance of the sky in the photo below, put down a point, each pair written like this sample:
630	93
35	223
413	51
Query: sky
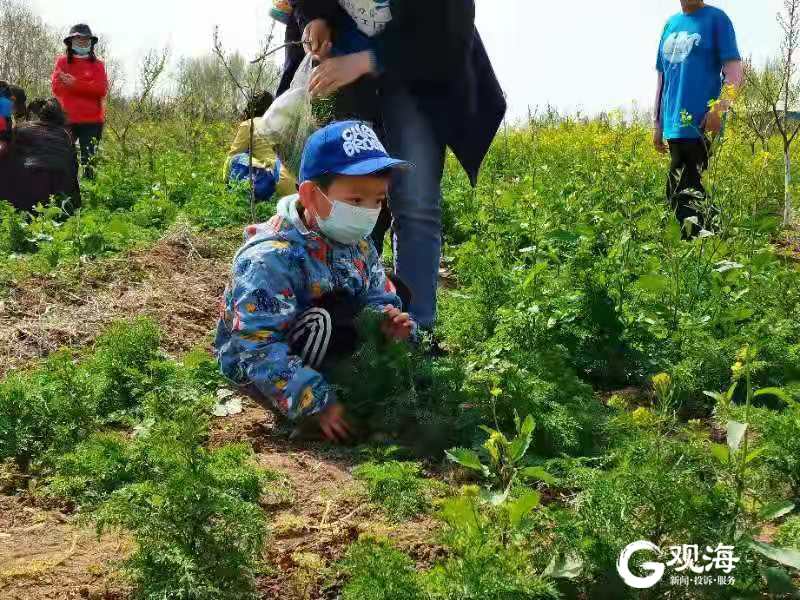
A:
581	55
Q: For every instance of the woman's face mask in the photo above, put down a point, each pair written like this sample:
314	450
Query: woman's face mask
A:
348	224
81	46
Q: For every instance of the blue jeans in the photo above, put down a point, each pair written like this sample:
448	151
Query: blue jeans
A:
415	200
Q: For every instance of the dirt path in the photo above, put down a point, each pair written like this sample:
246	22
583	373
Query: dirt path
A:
176	282
45	554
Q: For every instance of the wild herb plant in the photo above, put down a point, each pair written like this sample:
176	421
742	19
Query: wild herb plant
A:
395	389
752	511
195	517
375	570
490	556
398	487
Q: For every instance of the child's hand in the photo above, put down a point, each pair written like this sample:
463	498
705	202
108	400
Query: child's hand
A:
398	325
334	426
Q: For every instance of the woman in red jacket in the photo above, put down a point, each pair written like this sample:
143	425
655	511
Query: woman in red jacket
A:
81	85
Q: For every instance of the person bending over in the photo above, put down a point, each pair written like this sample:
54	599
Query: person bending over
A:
269	174
41	163
300	281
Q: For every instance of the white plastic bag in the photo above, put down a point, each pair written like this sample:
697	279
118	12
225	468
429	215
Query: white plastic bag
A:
289	122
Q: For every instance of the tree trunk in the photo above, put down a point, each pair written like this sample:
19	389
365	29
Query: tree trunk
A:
787	206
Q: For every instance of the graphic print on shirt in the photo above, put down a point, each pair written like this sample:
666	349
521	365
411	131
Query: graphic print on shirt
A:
678	46
371	16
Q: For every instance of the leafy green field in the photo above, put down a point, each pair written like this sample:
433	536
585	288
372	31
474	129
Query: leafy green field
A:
606	382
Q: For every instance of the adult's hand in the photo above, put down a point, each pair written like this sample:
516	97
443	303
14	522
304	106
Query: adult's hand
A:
317	39
335	73
712	123
398	325
658	140
333	424
67	79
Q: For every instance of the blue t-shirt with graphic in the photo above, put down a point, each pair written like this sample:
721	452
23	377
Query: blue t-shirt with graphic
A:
693	49
363	20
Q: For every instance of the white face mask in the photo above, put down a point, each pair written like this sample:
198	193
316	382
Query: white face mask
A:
348	224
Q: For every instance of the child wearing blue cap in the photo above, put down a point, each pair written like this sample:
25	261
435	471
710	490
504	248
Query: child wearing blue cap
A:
301	279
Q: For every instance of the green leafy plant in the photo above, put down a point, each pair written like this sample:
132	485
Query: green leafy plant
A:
121	364
739	455
506	459
377	571
96	467
489	554
392	388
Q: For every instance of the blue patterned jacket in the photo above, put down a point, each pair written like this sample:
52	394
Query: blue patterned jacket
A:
276	276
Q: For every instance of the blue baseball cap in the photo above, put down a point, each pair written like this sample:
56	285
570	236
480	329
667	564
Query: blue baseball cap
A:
346	148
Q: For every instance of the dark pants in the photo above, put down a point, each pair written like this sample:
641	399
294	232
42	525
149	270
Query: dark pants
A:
88	136
685	191
326	331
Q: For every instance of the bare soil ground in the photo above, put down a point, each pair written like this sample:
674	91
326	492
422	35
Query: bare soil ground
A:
45	554
176	282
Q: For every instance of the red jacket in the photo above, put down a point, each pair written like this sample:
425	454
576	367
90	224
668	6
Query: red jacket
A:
84	100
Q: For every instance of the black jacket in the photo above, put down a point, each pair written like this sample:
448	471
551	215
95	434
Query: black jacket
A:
42	162
432	48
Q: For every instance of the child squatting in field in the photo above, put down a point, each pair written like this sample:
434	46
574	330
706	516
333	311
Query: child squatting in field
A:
300	280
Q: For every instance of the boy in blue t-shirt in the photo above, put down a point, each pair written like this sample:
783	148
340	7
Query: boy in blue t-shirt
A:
697	54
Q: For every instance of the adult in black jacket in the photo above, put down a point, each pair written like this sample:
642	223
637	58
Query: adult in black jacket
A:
41	162
437	89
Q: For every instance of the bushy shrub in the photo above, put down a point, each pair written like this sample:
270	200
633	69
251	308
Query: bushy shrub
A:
47	410
121	364
198	528
96	467
395	389
657	488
